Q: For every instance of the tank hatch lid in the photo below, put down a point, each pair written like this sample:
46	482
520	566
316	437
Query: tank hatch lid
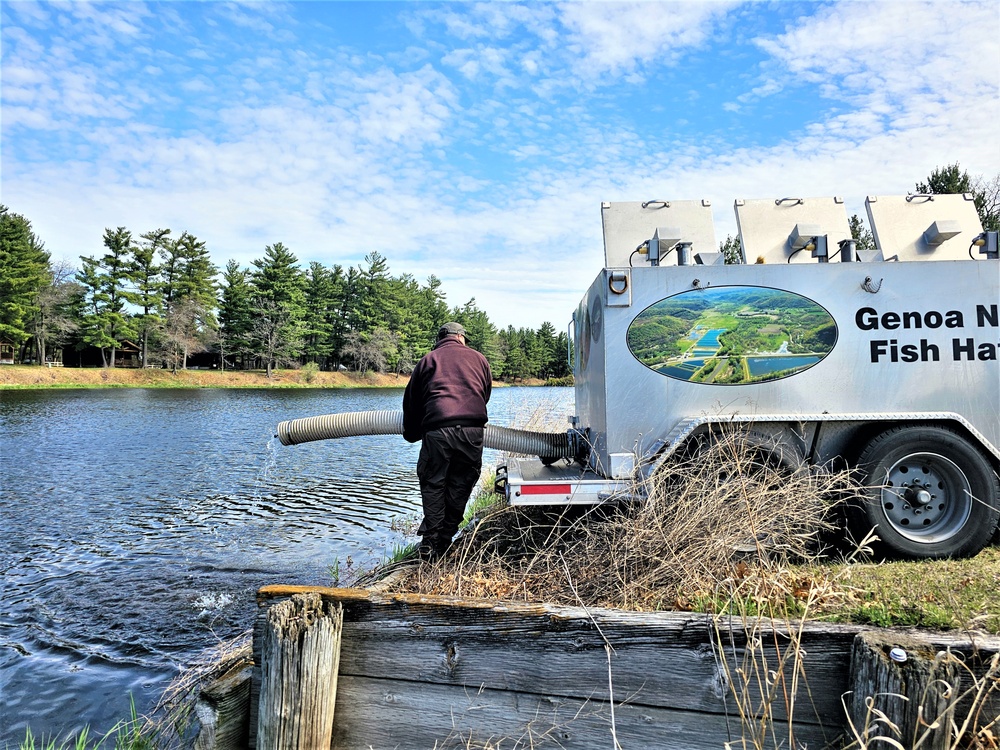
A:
628	225
923	227
779	229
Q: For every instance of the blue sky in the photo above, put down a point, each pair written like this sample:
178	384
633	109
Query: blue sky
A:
474	141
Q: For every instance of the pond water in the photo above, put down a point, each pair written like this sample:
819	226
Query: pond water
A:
684	370
138	524
710	341
765	365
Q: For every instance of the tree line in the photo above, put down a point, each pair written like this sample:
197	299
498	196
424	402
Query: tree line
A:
162	292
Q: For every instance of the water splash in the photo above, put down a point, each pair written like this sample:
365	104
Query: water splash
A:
211	604
263	475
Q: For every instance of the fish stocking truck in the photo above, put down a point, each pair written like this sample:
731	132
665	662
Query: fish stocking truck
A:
884	360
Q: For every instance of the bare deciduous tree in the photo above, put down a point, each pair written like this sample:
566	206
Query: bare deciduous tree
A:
184	332
275	335
55	318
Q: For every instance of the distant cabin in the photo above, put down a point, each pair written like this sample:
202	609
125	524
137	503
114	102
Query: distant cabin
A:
6	352
127	354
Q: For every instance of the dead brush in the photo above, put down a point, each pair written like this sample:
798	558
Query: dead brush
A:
722	510
717	530
176	718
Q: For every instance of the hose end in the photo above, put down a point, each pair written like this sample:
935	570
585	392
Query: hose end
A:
284	433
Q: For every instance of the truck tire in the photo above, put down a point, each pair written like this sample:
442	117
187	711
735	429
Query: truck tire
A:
930	493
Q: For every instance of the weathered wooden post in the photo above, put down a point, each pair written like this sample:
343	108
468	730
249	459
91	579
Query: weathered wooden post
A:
300	658
223	711
903	681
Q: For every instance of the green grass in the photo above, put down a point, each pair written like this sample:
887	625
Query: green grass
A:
127	734
932	594
479	503
938	594
399	553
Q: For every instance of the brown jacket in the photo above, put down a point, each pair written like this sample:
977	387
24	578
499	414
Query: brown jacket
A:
450	385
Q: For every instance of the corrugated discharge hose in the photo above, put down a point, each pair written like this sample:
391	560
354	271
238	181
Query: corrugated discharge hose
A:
506	439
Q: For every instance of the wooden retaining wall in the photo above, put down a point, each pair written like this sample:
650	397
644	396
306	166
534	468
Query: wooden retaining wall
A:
439	672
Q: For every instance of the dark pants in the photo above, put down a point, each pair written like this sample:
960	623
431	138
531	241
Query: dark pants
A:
451	459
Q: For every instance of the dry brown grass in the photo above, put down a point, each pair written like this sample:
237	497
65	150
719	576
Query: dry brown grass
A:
724	532
722	517
23	376
174	720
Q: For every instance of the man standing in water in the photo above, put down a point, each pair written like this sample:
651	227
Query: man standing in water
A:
444	405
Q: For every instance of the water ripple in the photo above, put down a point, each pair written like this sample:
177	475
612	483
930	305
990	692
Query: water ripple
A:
137	526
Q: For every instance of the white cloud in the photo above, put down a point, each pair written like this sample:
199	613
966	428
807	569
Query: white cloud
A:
103	24
492	182
897	51
621	37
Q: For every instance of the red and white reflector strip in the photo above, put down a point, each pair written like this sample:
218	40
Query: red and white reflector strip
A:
545	489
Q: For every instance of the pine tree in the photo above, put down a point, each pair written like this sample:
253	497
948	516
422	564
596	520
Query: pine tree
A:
344	314
195	277
985	193
147	286
321	297
235	312
189	297
24	272
862	235
949	179
731	250
279	304
480	333
553	351
516	364
106	323
372	306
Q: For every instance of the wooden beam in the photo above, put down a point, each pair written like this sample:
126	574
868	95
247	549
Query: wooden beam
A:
223	711
418	670
400	714
667	660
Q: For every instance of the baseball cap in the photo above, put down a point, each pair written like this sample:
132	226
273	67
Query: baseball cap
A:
451	329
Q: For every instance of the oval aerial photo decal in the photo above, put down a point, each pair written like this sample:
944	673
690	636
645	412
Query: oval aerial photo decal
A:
732	335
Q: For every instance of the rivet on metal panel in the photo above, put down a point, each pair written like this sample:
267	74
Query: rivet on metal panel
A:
705	202
838	199
872	198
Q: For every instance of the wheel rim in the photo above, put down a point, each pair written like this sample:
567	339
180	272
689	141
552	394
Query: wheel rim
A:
926	497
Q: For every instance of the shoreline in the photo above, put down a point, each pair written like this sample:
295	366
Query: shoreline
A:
23	377
28	377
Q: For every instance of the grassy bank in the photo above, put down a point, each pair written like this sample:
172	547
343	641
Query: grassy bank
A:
23	376
715	540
